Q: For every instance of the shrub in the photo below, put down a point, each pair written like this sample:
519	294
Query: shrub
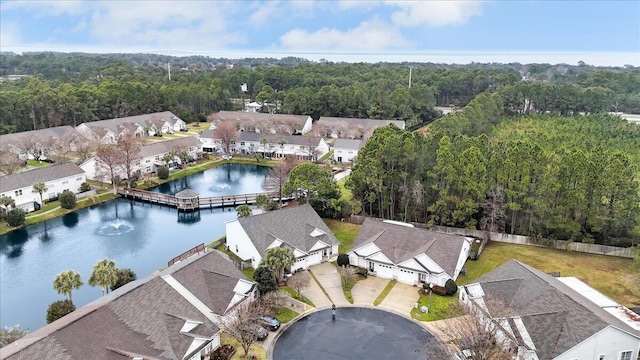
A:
473	255
439	290
59	309
343	260
15	217
162	172
362	271
265	278
85	187
124	276
67	200
450	287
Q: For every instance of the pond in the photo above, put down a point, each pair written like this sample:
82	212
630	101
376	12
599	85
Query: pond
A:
139	236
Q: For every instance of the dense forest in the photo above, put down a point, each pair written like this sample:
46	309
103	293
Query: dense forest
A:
68	89
572	177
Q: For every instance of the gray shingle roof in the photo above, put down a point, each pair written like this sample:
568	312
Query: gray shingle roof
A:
293	225
142	120
240	116
366	123
400	243
273	138
556	316
144	318
57	132
42	174
162	147
348	144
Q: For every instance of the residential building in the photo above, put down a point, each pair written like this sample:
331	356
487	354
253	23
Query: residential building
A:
57	178
396	250
109	131
253	107
346	150
350	128
281	124
541	317
302	147
174	314
37	143
151	156
298	228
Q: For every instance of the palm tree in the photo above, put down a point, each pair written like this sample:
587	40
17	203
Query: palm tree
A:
66	281
105	275
244	211
265	144
40	188
278	259
282	143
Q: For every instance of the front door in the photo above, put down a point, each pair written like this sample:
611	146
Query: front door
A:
339	158
371	266
324	252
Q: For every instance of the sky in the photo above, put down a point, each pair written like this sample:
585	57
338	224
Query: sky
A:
596	32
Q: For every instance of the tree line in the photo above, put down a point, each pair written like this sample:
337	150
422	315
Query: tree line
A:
572	177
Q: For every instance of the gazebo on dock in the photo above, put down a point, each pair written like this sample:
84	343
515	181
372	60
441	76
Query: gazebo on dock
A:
188	200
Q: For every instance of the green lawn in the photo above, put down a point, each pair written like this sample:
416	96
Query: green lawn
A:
615	277
345	233
439	309
384	293
346	289
345	194
248	272
255	349
284	314
36	163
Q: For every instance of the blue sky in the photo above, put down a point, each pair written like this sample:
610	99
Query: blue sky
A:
598	32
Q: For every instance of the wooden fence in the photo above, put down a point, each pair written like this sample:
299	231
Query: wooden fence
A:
521	240
194	250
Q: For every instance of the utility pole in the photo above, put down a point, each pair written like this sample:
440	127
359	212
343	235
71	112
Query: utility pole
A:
409	77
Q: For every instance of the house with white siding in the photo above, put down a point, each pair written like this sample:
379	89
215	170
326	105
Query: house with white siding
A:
151	156
269	145
298	228
109	131
175	314
37	143
542	317
57	178
282	124
397	250
346	150
350	128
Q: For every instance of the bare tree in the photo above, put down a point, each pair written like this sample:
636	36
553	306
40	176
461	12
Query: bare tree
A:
130	153
61	150
242	323
34	146
299	280
493	210
84	149
9	162
109	164
349	273
182	152
11	334
227	133
471	334
277	176
273	300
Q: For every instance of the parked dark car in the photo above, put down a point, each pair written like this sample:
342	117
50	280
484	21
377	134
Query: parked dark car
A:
261	333
47	160
269	322
184	129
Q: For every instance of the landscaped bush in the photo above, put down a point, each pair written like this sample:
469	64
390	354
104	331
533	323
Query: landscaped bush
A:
343	260
67	199
59	309
162	172
85	187
450	287
15	217
265	278
124	276
362	271
439	290
224	352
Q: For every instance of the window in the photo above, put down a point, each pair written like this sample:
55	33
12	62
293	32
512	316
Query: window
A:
65	182
148	161
79	178
18	192
601	357
236	247
242	143
423	277
626	355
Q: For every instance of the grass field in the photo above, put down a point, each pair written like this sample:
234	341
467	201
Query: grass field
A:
255	349
284	314
617	278
345	233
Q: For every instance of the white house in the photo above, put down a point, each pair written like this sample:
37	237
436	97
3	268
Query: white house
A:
151	156
346	150
109	131
302	147
264	123
350	128
173	314
253	107
543	318
396	250
57	178
298	227
36	143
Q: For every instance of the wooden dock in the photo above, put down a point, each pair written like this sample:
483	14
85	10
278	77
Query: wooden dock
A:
202	202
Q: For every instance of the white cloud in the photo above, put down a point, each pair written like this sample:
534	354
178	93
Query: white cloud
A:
434	13
9	35
47	7
372	35
264	13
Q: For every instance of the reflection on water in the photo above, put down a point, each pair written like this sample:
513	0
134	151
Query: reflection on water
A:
139	236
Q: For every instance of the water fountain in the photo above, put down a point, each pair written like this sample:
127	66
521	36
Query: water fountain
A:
114	228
